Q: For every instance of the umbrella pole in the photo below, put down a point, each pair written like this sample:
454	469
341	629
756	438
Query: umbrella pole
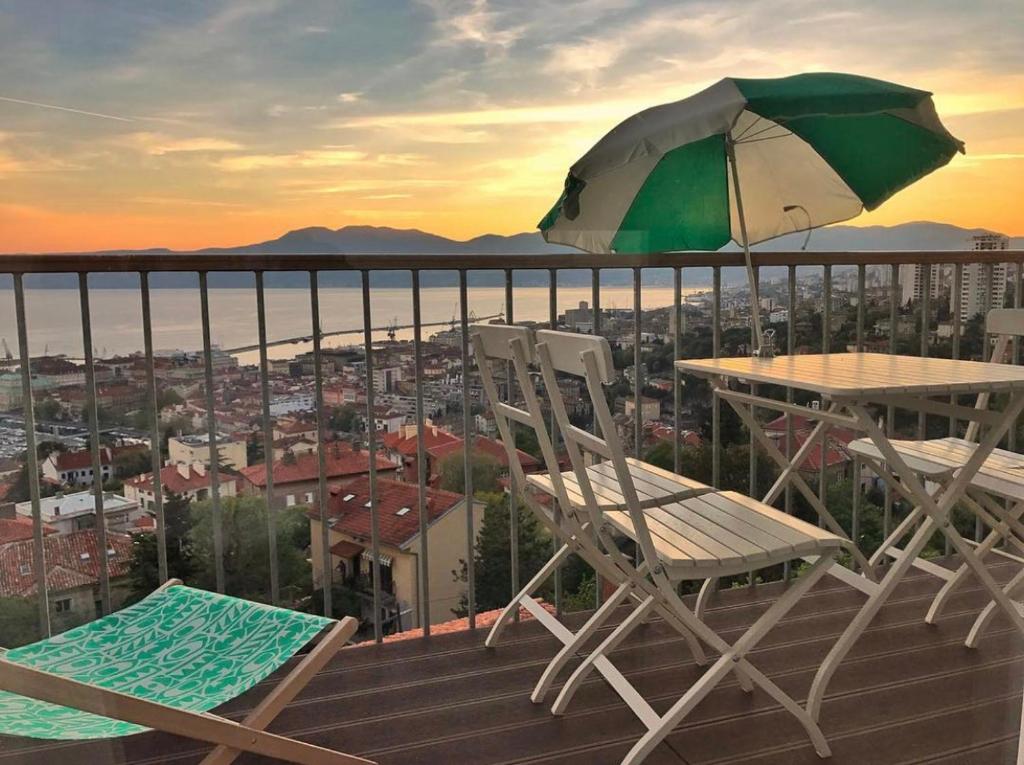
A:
755	307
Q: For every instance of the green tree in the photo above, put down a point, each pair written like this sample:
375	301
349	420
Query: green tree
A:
345	418
48	409
492	560
143	572
246	559
486	473
19	621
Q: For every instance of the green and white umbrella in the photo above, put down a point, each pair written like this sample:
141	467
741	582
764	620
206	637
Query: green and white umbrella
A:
749	160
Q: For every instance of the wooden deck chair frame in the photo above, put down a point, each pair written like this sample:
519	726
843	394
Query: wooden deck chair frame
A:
510	344
590	358
230	738
1005	324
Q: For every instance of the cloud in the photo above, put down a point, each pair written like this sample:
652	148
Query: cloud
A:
310	158
350	97
474	22
388	186
69	109
158	144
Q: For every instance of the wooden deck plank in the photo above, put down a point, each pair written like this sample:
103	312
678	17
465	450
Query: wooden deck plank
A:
908	693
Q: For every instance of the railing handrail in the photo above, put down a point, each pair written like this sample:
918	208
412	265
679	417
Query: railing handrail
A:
128	262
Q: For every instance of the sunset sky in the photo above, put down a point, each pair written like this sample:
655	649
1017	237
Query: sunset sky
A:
187	124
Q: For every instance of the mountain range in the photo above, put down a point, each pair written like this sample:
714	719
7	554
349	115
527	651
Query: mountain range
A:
921	235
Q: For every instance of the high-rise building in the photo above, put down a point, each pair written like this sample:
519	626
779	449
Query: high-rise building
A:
912	278
974	290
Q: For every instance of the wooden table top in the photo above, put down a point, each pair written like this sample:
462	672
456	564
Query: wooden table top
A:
863	375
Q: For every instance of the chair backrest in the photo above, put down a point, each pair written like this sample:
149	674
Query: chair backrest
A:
515	345
1006	324
590	357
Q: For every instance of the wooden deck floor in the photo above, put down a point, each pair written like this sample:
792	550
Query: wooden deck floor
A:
909	693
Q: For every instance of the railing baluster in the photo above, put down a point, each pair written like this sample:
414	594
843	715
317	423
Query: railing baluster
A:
211	427
716	350
421	457
595	326
31	457
890	412
467	464
752	442
958	281
513	502
1011	442
926	305
791	350
553	429
92	410
371	448
154	429
268	441
638	378
826	347
677	352
857	489
323	495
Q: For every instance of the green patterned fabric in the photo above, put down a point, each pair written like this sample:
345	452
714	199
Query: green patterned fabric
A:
187	648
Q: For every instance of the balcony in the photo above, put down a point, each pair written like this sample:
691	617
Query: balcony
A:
908	693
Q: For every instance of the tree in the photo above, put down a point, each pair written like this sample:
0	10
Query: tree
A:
47	409
696	462
345	418
485	468
246	559
19	621
254	449
143	572
492	559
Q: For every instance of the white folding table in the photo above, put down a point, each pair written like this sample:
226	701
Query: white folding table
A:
848	384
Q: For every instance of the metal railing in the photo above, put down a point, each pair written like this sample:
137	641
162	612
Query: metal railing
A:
260	265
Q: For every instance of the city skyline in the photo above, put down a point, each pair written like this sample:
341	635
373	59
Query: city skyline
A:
204	125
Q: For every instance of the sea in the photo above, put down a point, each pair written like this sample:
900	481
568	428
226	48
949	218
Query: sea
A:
54	315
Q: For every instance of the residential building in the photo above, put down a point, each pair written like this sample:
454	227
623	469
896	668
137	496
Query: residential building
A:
19	529
400	544
187	450
975	287
296	478
73	571
583	314
75	468
66	513
190	482
650	408
912	278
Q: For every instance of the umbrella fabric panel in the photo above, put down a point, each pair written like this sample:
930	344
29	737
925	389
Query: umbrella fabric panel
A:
821	93
876	154
779	170
683	204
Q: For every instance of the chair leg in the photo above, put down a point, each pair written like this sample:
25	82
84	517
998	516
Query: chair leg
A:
989	612
512	608
608	645
594	623
707	591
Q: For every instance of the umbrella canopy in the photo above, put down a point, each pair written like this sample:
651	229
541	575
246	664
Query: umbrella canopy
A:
832	144
749	160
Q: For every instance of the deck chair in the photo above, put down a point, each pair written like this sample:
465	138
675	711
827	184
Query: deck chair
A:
1001	477
503	344
709	535
163	664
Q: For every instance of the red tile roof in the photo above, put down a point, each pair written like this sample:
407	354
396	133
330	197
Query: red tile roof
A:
483	620
18	529
487	446
341	460
353	516
72	560
172	480
79	460
406	445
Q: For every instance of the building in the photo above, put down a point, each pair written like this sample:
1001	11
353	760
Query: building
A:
582	315
191	482
912	277
73	572
187	450
836	456
482	445
650	408
974	289
75	468
400	544
19	529
66	513
297	477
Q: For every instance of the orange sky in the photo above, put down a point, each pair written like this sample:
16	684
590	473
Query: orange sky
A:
186	128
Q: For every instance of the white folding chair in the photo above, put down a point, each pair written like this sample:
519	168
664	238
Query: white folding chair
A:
1000	477
712	534
496	343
